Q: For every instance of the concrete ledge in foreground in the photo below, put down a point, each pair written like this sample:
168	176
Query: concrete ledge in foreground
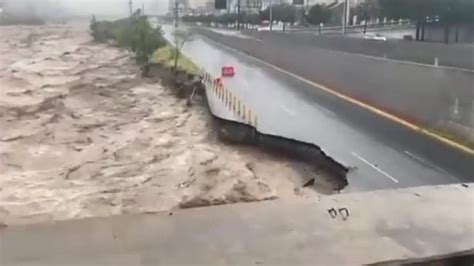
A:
382	226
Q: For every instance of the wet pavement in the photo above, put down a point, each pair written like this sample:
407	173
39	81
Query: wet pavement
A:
283	109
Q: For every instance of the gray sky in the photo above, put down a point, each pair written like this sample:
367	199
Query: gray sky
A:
96	6
113	6
84	7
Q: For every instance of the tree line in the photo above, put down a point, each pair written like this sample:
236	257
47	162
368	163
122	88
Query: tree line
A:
134	33
285	13
448	13
137	35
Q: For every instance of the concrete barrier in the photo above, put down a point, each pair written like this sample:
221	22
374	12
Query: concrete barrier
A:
453	55
426	96
396	227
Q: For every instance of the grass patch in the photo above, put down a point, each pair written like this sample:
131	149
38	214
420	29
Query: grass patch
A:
165	56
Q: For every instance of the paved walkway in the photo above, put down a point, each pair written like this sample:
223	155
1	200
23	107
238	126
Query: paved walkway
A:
381	226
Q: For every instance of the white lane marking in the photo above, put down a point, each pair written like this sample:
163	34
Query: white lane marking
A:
375	167
287	110
421	160
425	162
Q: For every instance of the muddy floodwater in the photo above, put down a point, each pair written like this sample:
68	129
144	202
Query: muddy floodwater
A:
82	134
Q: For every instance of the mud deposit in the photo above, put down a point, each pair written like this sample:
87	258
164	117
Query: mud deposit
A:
81	134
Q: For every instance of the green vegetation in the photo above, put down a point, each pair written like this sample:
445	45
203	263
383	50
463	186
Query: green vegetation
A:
137	35
180	37
319	14
103	31
285	13
445	12
134	33
366	11
166	56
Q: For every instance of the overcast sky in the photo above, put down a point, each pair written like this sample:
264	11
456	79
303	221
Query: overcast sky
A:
113	6
87	7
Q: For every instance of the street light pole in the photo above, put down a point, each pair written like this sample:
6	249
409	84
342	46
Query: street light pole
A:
348	12
130	7
271	15
344	14
176	13
238	15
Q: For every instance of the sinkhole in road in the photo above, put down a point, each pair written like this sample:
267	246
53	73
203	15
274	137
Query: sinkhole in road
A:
316	169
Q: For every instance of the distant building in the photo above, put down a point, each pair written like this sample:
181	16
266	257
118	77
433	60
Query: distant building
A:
249	6
201	6
198	4
183	6
338	7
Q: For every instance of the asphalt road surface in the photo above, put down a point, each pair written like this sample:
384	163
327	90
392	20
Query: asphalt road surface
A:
285	106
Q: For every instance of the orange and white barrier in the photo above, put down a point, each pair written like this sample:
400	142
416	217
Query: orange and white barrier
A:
229	99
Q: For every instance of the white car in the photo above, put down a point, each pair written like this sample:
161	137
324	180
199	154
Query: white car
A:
376	37
267	28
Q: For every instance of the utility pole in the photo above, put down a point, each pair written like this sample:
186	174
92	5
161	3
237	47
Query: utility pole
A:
348	12
238	15
143	8
130	7
344	14
271	15
176	13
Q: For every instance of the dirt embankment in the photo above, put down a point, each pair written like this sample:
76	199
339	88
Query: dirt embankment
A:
83	135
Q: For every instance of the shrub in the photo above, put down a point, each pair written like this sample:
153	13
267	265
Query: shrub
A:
134	33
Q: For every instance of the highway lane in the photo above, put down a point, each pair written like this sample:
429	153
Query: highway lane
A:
284	110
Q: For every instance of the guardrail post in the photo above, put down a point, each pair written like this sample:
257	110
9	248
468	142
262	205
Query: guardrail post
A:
238	107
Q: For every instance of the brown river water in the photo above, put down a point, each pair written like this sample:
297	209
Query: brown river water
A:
82	135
